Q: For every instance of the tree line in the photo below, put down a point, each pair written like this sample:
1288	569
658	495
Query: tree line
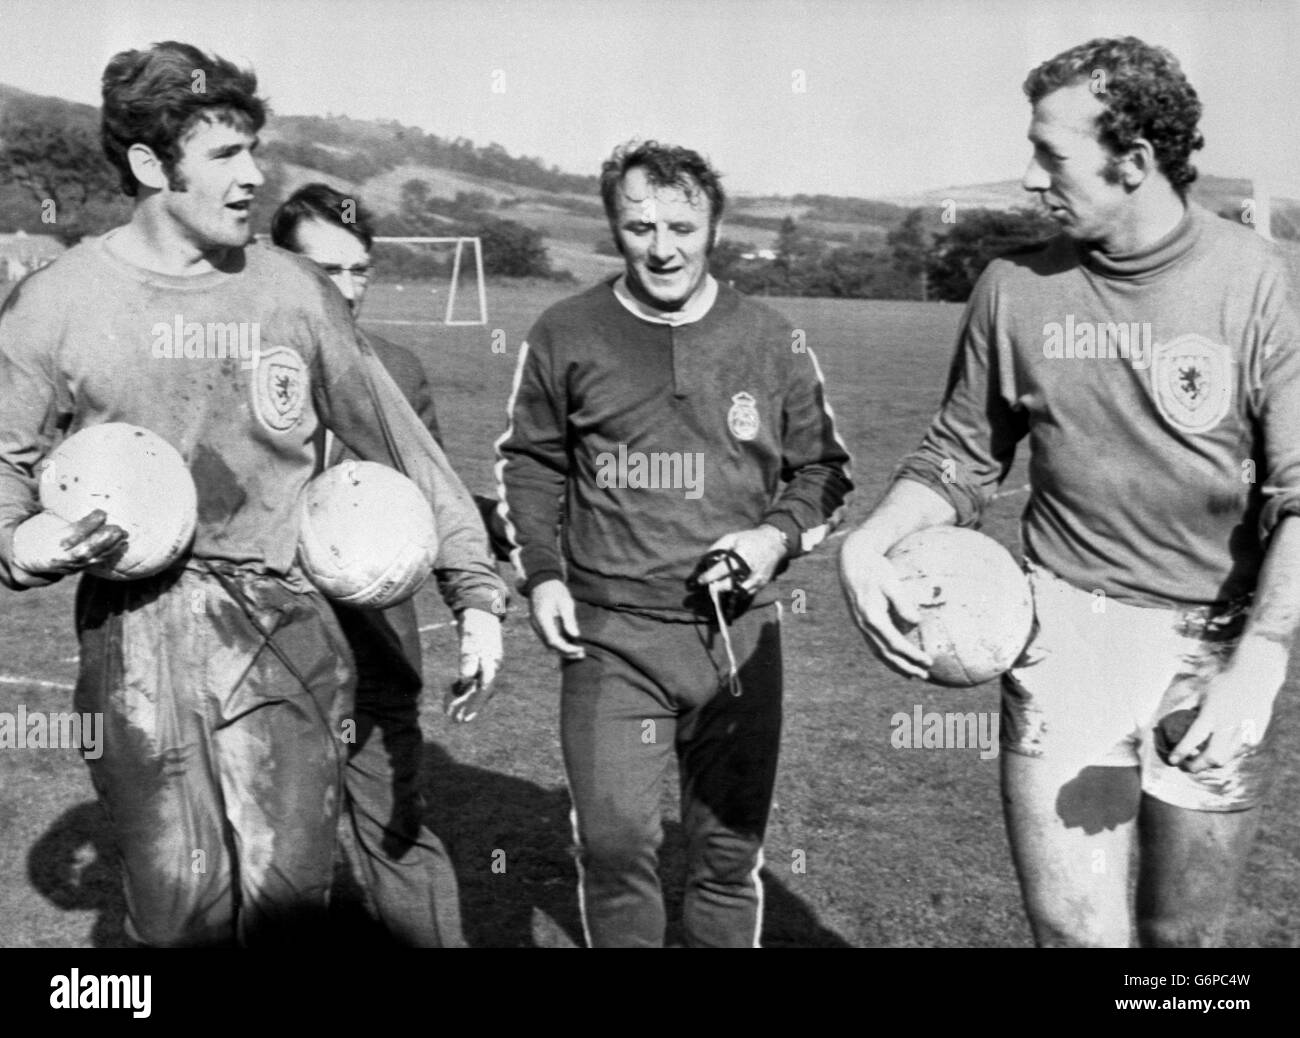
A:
914	263
54	179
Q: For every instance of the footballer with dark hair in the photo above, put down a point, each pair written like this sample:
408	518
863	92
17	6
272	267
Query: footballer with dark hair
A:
224	681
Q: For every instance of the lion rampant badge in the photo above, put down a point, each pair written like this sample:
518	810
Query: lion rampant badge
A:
1191	378
742	419
279	389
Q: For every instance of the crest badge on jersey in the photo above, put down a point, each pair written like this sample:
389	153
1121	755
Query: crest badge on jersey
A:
279	389
742	419
1191	378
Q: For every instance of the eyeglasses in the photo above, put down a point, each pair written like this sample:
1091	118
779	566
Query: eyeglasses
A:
359	273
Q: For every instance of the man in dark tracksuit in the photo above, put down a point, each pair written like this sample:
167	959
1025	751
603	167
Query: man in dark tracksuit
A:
672	417
402	864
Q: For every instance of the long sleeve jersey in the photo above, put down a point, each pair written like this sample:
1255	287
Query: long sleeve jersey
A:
635	442
1160	393
237	368
386	643
409	376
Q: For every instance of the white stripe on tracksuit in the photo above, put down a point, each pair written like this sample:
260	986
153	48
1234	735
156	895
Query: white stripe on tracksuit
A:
809	539
582	898
499	469
577	860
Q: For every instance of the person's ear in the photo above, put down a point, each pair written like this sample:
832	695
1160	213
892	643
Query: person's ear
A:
1137	164
146	167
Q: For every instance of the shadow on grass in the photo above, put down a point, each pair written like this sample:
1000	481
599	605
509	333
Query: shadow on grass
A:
74	866
487	819
508	838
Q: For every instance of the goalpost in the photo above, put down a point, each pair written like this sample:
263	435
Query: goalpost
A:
1263	214
455	274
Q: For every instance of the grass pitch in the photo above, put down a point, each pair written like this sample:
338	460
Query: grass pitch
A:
868	845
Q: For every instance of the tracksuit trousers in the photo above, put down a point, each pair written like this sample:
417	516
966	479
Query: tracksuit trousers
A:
650	689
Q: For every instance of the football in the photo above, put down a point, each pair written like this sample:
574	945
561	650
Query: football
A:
139	480
366	535
976	606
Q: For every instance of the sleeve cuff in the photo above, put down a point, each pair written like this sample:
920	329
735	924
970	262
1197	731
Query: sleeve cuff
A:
1277	509
967	505
539	577
791	530
489	600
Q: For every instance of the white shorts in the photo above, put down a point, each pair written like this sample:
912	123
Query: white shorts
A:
1097	677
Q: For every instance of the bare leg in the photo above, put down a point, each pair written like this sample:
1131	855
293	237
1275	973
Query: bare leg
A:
1191	864
1071	838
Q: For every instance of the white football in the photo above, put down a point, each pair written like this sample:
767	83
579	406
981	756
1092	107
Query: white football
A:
976	605
139	480
366	535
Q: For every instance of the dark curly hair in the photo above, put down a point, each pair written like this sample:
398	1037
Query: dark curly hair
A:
155	96
324	203
1145	93
665	165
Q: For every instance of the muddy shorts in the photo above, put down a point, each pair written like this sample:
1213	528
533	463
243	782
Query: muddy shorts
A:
1099	675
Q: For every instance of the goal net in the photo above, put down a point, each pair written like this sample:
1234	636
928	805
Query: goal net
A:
467	291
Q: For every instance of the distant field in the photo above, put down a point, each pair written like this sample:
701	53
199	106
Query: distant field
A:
902	847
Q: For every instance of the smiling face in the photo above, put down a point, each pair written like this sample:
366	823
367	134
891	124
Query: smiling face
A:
215	179
343	255
665	238
1073	173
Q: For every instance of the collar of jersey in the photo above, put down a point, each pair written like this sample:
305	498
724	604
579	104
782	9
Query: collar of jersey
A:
689	314
1152	259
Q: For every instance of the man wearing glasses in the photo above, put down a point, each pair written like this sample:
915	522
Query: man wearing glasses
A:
402	864
331	229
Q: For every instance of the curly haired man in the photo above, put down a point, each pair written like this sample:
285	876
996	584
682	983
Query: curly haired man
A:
1151	356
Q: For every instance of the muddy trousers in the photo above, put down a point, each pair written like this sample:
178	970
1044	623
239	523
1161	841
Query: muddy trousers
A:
222	693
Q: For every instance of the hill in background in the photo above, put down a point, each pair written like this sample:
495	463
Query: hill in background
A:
376	158
1218	194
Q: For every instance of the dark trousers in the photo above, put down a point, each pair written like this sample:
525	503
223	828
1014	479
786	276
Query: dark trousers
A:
649	690
403	866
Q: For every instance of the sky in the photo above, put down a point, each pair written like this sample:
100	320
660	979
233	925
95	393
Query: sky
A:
850	97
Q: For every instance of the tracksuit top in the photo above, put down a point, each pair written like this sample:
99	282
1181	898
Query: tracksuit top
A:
1160	392
236	368
636	440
